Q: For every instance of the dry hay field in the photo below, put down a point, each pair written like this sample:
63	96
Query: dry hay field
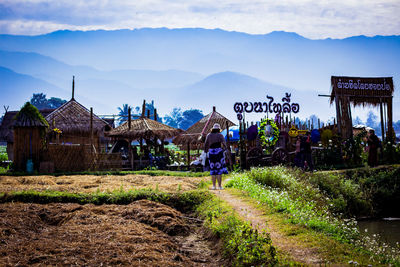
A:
102	183
143	233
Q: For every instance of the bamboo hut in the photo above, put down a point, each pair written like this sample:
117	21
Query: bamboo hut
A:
7	133
194	137
72	123
376	92
29	136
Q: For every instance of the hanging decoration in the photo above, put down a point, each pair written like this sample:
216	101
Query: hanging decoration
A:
268	132
293	132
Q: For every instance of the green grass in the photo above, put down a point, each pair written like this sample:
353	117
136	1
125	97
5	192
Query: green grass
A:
246	246
310	201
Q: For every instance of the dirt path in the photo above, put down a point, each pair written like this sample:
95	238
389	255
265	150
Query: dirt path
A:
283	243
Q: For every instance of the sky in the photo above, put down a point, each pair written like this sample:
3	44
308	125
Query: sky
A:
311	19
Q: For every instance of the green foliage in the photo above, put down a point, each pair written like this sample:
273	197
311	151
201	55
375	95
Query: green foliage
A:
41	102
324	202
185	201
246	246
183	119
381	186
270	141
31	112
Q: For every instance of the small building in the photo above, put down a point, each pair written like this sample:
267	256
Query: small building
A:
72	123
29	129
6	130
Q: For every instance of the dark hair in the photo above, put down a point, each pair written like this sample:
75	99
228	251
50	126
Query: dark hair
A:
215	131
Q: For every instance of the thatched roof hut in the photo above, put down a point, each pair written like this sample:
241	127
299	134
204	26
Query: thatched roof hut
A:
29	131
196	134
144	128
72	118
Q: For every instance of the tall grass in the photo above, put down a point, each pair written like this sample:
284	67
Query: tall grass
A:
318	201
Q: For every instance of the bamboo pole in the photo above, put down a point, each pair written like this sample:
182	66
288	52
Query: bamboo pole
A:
91	130
129	118
382	122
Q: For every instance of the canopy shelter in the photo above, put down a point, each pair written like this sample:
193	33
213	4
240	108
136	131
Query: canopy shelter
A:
362	92
196	134
141	129
194	137
144	128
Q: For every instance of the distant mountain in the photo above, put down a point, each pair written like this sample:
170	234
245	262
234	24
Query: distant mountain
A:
188	67
226	88
278	57
57	72
16	89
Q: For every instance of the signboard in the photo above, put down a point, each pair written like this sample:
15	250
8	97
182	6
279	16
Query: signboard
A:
266	107
362	87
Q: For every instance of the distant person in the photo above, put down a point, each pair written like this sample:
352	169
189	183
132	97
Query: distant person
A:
373	145
305	149
298	159
214	146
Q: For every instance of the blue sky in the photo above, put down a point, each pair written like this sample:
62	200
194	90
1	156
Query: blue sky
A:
312	19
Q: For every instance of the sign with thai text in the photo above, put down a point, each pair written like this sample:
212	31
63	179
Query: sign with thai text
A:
357	86
267	106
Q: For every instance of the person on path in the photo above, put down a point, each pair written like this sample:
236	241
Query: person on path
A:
305	148
373	145
214	146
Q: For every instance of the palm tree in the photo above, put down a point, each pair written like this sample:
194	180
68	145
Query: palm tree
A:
123	113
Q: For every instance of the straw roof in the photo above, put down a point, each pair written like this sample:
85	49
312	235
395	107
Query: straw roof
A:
198	131
29	116
144	128
74	118
6	131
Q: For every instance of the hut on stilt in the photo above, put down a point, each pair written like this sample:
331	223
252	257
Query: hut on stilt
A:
194	137
29	138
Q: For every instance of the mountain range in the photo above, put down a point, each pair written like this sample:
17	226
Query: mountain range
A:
188	68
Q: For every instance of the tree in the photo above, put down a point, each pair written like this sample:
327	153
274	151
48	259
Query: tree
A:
190	117
174	118
183	119
55	102
123	113
314	120
357	120
371	120
39	101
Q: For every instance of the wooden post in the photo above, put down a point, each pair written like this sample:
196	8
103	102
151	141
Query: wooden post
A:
91	130
382	122
143	108
338	115
188	155
390	119
73	88
155	114
131	153
129	118
148	114
228	146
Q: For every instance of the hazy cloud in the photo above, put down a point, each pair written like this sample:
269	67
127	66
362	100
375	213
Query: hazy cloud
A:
313	19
